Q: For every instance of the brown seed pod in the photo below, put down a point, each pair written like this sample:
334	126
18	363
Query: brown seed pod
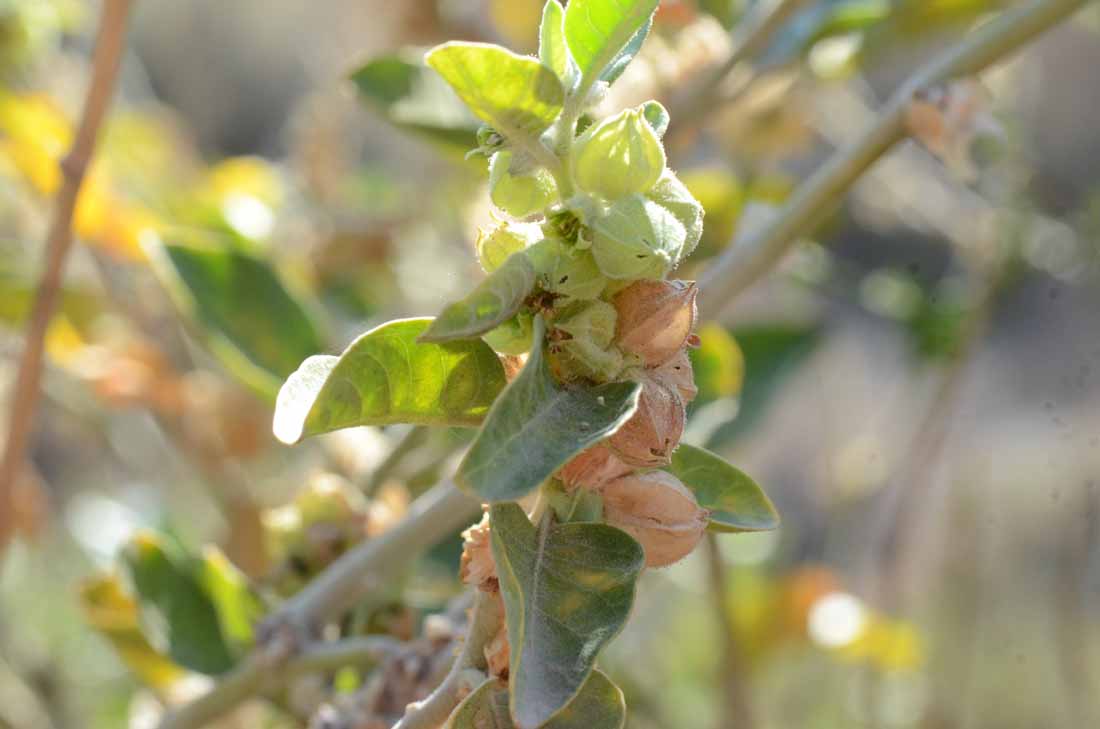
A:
655	318
677	373
592	468
477	567
653	432
657	510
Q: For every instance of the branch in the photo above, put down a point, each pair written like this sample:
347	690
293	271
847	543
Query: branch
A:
110	40
757	33
432	517
434	710
736	710
733	272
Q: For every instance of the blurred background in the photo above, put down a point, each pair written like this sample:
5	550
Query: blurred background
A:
917	386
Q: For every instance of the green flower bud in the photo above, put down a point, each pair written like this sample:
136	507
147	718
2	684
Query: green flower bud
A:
519	195
674	196
620	156
513	336
494	247
592	320
637	238
657	116
567	271
573	359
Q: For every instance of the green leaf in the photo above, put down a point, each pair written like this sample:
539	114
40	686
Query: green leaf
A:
735	502
598	30
238	607
567	592
598	705
180	610
626	55
251	322
386	377
515	94
494	301
537	425
111	612
410	96
553	49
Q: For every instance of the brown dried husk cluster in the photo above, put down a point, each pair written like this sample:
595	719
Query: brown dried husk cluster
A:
654	326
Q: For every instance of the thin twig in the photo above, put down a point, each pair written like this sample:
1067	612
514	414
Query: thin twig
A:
106	60
734	271
433	516
736	710
434	710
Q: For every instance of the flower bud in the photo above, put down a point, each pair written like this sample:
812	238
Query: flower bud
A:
572	359
655	318
591	320
494	247
673	196
653	432
513	336
566	271
619	156
592	468
659	512
477	567
677	373
519	195
636	238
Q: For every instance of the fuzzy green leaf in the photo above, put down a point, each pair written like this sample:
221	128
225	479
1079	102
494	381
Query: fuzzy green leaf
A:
598	705
598	30
537	425
385	377
553	48
410	96
516	95
735	501
490	304
250	320
567	592
183	613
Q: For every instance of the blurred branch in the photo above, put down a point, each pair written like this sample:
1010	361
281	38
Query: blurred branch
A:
434	710
106	60
733	272
758	31
417	436
432	517
736	710
329	656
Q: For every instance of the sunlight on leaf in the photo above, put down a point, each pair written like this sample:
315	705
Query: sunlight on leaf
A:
385	377
494	301
598	30
735	502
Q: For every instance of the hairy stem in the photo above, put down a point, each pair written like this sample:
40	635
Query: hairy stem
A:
434	710
106	60
738	268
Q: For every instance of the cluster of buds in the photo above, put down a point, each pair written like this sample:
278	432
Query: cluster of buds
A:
654	330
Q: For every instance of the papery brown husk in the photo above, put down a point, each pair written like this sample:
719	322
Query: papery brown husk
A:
653	432
659	512
655	318
678	374
592	468
477	567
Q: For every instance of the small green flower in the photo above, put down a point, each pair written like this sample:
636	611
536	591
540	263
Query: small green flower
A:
674	196
513	336
566	270
519	195
619	156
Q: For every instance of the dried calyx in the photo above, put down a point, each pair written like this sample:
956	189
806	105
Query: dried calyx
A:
657	510
655	318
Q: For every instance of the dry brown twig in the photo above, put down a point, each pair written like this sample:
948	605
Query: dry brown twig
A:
106	60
